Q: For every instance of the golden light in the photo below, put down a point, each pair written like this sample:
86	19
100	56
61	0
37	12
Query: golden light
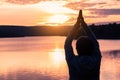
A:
57	56
57	19
57	13
54	7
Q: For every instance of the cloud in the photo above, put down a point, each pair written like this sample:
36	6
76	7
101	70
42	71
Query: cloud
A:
89	4
98	9
105	11
96	16
23	1
102	13
82	5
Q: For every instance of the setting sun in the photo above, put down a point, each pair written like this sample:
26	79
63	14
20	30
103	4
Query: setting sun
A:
58	19
57	13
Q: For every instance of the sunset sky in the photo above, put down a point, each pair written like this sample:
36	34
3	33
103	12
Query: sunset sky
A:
57	12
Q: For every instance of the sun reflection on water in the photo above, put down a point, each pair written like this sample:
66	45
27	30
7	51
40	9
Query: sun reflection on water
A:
57	56
43	58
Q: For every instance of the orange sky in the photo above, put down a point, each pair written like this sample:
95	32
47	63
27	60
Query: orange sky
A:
57	12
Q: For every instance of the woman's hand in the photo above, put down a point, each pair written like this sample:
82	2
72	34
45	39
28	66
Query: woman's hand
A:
79	20
80	17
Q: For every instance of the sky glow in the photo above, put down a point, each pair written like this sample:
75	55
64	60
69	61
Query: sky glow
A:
57	12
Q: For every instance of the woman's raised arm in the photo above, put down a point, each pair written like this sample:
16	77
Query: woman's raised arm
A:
68	42
89	32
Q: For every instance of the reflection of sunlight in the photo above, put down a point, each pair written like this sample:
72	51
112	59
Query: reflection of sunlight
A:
57	56
58	19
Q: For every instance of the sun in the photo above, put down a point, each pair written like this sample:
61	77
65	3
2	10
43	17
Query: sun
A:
56	14
57	19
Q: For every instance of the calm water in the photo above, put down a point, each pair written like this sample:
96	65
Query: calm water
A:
42	58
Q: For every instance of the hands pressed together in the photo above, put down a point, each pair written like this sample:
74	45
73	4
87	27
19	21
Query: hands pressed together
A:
80	20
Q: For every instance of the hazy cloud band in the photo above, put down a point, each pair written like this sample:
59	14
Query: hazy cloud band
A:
105	11
24	1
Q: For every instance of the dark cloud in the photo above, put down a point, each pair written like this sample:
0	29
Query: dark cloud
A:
24	1
105	11
101	13
96	16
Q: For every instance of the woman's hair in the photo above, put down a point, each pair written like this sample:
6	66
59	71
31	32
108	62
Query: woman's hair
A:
84	46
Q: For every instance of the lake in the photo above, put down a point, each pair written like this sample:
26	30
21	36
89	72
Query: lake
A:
42	58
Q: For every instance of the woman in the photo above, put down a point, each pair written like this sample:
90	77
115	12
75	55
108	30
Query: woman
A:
86	65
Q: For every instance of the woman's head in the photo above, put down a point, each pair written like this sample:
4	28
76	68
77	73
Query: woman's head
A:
84	46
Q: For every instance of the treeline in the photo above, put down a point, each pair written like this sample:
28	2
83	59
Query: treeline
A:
21	31
107	31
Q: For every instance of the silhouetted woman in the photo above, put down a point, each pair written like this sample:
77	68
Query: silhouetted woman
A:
86	65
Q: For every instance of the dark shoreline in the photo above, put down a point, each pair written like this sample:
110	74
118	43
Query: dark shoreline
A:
106	31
